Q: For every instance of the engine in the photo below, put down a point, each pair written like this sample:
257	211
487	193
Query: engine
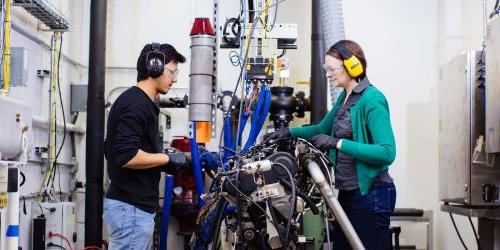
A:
260	198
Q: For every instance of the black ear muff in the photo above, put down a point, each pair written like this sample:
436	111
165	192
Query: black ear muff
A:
155	61
351	62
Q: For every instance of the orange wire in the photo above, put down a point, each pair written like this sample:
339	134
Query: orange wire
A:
64	237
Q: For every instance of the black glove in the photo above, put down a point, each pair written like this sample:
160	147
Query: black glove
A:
280	134
324	142
177	160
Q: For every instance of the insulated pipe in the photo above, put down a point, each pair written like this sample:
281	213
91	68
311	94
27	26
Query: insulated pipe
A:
12	208
318	83
95	124
165	216
40	122
334	205
201	71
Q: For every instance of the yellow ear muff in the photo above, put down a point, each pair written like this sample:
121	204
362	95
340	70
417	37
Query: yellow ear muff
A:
351	63
353	66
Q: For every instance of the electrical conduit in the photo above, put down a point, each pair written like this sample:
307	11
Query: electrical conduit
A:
6	50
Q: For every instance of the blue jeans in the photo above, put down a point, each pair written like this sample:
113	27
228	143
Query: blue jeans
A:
369	215
128	226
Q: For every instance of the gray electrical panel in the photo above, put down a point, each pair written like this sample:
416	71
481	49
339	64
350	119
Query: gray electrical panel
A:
78	97
18	67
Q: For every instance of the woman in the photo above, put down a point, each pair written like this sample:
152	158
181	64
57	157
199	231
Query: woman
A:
358	135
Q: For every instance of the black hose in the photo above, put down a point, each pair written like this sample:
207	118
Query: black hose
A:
24	179
458	233
302	195
283	52
60	97
495	9
293	200
475	232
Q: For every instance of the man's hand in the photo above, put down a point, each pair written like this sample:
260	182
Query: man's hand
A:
177	160
324	142
280	134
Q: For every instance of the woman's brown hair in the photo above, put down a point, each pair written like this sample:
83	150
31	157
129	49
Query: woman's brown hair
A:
355	49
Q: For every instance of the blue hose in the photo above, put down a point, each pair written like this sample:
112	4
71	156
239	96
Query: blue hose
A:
195	159
228	139
167	202
259	116
265	110
243	122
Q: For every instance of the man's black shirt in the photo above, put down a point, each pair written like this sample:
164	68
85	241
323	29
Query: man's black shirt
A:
133	125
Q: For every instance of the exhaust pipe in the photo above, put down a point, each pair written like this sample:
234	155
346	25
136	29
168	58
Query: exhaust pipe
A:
334	205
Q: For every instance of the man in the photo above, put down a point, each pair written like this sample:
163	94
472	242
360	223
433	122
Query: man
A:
134	151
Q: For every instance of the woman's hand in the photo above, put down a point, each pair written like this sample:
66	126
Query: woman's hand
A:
325	142
280	134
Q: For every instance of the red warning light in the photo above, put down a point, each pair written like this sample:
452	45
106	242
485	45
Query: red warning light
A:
202	26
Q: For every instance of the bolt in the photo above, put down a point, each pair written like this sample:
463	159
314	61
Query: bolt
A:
249	234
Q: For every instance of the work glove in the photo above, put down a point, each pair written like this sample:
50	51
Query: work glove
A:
324	142
177	160
280	134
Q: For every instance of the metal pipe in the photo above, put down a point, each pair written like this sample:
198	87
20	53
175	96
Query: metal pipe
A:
40	122
95	124
318	83
6	50
334	205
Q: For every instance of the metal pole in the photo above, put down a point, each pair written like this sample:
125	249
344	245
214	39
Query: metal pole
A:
319	89
95	125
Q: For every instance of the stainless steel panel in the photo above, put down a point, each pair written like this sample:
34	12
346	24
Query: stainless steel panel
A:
493	87
462	122
454	129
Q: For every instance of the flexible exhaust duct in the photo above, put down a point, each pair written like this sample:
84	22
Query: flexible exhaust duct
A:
332	20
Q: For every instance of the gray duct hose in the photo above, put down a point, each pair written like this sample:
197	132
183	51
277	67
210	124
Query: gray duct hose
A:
332	20
334	205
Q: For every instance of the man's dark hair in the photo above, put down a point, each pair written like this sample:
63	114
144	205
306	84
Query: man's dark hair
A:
170	55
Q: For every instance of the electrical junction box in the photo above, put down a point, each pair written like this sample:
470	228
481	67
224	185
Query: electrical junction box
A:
61	221
19	67
79	97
